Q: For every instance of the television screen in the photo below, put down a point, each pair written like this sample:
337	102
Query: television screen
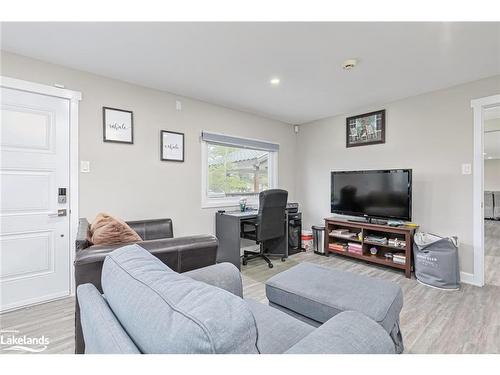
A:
378	194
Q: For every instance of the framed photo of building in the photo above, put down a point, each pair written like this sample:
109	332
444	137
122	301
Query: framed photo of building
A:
171	146
118	125
365	129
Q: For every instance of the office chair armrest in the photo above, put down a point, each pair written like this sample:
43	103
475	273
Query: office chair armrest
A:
349	332
251	222
223	275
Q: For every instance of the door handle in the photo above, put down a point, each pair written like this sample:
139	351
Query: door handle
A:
59	213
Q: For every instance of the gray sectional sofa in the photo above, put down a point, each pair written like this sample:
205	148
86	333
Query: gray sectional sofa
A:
149	308
181	254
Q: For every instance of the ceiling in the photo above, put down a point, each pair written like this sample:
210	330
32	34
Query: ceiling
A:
230	64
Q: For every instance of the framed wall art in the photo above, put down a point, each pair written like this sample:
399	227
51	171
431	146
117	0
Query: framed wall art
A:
171	146
365	129
118	125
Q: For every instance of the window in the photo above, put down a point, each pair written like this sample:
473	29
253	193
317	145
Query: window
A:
235	168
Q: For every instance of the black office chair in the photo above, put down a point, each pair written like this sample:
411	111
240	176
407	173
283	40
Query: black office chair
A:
269	223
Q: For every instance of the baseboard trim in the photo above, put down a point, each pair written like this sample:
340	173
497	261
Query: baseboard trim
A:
35	301
468	278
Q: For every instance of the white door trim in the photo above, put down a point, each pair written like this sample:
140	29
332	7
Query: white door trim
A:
478	106
74	98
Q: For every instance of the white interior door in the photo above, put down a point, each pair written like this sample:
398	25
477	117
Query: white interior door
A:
34	216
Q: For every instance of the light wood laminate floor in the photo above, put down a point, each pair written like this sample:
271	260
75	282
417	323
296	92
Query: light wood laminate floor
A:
492	252
432	320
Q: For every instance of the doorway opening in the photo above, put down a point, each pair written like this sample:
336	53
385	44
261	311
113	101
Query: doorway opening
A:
485	111
491	165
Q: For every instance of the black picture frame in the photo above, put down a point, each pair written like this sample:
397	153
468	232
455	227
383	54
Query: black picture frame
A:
105	136
162	154
376	137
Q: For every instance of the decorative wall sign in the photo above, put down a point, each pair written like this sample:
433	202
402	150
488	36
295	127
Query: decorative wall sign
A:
365	129
118	125
172	146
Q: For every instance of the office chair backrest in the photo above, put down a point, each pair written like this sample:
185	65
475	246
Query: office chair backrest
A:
271	217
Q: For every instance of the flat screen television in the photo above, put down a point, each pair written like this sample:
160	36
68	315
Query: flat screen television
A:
381	194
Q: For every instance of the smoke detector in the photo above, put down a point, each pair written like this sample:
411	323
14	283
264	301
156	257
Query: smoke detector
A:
349	64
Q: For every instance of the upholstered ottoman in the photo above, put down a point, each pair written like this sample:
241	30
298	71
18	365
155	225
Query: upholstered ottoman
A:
314	294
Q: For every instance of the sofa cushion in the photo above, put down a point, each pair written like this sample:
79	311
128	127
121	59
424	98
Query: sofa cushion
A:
320	293
166	312
107	230
349	332
103	332
277	331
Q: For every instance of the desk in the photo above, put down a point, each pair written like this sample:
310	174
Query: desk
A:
227	231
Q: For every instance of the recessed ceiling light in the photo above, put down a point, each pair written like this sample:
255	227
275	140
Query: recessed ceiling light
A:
490	157
484	153
275	81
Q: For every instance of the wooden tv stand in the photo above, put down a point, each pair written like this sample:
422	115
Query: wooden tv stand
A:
403	233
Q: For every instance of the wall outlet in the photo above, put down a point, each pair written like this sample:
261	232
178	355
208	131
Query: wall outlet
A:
178	105
85	166
466	168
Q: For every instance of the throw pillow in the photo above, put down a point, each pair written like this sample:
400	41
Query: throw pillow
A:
108	230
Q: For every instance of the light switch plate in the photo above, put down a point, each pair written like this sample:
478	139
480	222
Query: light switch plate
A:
178	105
85	166
466	168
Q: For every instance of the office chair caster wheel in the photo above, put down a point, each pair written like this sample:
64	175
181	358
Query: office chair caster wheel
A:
270	265
283	259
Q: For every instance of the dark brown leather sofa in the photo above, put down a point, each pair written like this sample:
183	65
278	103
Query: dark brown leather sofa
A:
181	254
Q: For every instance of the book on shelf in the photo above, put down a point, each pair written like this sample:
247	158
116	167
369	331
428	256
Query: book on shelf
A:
376	239
344	234
359	252
339	231
337	246
355	248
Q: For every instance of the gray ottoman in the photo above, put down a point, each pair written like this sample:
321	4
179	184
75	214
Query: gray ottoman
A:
314	294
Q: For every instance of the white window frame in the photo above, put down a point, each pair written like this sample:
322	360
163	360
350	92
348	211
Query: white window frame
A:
207	202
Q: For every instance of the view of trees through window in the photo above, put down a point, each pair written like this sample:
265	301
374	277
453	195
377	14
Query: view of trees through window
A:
236	171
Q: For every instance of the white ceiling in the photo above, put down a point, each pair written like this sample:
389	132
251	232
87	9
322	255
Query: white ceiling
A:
231	63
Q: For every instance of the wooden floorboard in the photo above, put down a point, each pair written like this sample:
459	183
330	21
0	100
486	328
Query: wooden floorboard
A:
432	320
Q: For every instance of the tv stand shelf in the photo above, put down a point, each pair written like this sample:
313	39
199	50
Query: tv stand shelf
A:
403	233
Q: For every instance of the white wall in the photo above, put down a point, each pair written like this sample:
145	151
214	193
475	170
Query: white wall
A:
431	133
130	181
492	175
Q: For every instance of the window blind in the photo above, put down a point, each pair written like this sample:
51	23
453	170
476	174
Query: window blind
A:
239	142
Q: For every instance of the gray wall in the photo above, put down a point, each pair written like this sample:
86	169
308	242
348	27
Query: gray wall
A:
492	175
130	181
431	133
